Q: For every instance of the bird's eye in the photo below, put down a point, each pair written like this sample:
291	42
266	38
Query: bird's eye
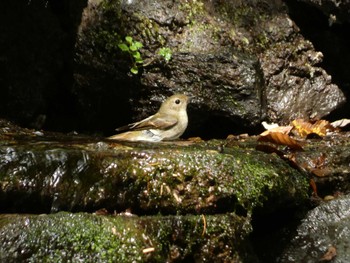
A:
177	101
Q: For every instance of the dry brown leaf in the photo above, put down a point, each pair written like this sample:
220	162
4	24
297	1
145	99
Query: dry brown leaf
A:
328	198
237	137
281	139
269	126
330	254
204	225
320	161
195	139
302	127
321	172
305	128
102	211
320	127
340	123
280	129
148	250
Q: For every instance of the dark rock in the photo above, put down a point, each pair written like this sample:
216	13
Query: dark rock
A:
325	227
328	34
294	82
242	62
328	161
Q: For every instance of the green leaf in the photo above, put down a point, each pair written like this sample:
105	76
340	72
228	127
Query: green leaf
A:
166	53
138	45
128	39
167	56
123	47
139	61
133	47
136	55
134	70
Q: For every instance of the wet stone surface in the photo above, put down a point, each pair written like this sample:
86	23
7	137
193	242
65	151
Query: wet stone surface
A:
183	177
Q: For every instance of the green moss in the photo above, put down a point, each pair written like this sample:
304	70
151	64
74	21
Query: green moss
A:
166	53
148	29
192	8
65	237
71	237
196	179
110	33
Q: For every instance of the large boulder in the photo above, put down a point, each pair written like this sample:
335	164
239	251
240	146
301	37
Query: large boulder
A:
242	62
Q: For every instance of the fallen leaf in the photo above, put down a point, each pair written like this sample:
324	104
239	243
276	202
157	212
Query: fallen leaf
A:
281	139
148	250
320	127
237	137
321	172
102	211
269	126
280	129
195	139
330	254
305	128
204	225
340	123
328	198
320	160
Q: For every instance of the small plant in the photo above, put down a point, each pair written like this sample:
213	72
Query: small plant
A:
166	53
132	47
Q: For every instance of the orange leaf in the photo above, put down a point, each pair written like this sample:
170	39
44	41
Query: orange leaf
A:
330	254
305	128
321	172
281	139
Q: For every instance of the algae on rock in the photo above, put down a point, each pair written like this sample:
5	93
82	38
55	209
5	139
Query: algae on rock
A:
83	237
148	178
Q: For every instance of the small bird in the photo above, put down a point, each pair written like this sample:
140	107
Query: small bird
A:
169	123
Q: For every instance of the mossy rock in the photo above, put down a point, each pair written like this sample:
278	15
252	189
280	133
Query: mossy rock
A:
81	237
54	174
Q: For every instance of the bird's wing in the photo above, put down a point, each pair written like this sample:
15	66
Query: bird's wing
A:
156	121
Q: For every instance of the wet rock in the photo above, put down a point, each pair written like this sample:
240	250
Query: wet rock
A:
44	173
331	28
222	80
326	227
92	238
293	80
327	160
242	62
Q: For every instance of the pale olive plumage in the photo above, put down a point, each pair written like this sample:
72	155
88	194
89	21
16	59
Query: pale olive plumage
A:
169	123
